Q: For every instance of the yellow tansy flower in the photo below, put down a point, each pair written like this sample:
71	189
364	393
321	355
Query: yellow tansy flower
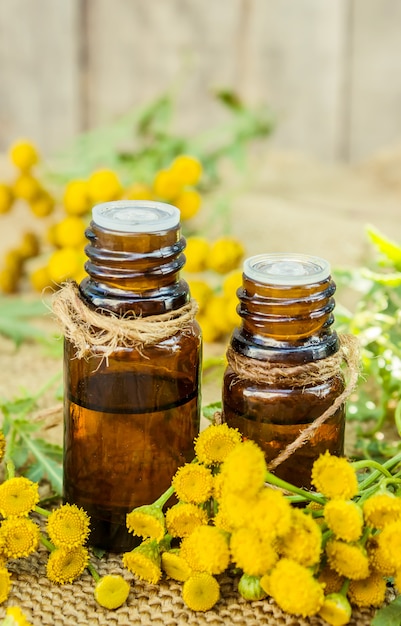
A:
336	609
215	442
206	549
344	518
348	559
294	588
271	513
76	199
64	264
381	509
334	477
104	186
68	526
193	483
188	202
237	509
166	185
331	580
370	591
147	521
18	496
42	204
17	615
6	198
27	187
29	246
20	536
201	591
187	169
144	561
196	254
244	468
252	552
201	292
389	542
70	232
183	518
5	584
40	279
23	155
380	560
303	541
175	566
111	591
64	565
225	255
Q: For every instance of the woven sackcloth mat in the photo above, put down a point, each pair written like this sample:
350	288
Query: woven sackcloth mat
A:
149	605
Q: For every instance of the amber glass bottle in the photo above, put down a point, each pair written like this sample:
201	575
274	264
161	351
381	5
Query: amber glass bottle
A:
286	306
130	418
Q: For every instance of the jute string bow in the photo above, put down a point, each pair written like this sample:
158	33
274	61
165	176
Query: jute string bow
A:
300	376
88	329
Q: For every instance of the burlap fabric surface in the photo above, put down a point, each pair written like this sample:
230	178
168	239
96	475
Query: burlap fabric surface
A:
157	605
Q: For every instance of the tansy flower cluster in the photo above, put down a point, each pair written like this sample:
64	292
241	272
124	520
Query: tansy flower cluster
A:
231	514
213	274
63	531
55	252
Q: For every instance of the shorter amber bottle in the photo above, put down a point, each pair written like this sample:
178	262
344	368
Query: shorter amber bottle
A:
286	306
131	412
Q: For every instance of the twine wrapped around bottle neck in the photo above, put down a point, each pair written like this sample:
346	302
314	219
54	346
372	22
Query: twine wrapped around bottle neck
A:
88	329
313	373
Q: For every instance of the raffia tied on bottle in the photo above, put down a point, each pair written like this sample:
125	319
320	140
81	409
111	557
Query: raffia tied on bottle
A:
298	376
89	330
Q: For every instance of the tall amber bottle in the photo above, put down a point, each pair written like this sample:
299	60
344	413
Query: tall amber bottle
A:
130	418
286	306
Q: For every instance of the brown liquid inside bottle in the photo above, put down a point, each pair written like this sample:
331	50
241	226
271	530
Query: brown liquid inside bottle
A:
130	419
286	305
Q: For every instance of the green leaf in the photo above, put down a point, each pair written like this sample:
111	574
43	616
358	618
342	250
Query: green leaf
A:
44	465
209	410
392	279
385	246
389	615
13	315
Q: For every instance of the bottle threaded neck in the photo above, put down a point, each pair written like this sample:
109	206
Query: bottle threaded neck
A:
135	254
286	304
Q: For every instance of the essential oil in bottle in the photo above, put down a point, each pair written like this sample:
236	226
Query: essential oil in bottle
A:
132	413
278	379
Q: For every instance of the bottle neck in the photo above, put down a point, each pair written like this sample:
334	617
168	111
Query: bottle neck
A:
134	273
286	323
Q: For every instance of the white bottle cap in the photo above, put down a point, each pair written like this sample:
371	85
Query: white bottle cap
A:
286	269
136	216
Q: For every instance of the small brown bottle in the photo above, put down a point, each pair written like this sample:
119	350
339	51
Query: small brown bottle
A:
130	417
280	375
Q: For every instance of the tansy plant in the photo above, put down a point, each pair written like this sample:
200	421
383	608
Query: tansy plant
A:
340	549
376	320
63	531
58	254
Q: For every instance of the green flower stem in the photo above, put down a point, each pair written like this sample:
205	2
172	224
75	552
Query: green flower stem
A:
41	511
161	501
10	469
47	543
282	484
357	465
93	571
376	474
345	587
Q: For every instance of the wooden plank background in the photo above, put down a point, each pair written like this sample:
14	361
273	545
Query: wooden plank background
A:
330	69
